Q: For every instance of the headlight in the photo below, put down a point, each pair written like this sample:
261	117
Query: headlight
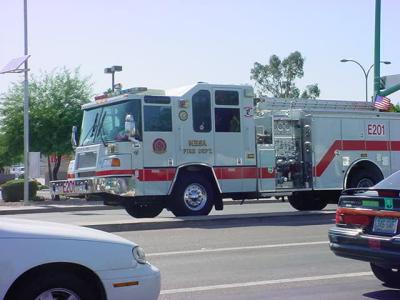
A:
139	255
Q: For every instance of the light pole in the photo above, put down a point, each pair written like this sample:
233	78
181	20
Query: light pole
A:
26	108
14	66
112	71
366	73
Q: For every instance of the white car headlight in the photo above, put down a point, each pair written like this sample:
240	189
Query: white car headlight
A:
139	255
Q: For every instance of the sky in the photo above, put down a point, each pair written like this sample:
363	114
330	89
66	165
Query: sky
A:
171	43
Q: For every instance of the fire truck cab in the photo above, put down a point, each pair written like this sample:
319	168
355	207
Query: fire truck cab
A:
188	148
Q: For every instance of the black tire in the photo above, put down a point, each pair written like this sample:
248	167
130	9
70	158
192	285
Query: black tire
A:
363	178
143	210
60	285
386	275
318	204
304	201
298	201
193	196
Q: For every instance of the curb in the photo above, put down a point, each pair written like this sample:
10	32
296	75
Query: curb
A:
210	221
17	210
52	209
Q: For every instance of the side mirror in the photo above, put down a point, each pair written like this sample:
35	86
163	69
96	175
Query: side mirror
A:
74	137
130	125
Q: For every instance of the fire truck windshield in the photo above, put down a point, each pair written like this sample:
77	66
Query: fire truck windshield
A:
107	123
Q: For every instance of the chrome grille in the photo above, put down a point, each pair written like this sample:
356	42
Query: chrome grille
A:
86	160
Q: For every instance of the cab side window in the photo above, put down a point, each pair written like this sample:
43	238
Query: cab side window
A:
201	109
227	118
157	118
226	98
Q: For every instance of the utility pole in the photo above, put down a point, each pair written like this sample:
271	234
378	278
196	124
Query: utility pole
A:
112	70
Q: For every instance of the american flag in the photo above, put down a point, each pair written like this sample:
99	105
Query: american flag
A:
382	103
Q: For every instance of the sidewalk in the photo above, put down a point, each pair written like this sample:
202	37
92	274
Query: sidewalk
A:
48	205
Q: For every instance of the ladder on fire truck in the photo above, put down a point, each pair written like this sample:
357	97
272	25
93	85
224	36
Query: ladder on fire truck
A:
268	103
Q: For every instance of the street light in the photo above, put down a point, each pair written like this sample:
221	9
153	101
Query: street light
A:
366	73
112	71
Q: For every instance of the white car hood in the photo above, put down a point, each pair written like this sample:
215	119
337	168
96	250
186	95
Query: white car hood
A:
19	228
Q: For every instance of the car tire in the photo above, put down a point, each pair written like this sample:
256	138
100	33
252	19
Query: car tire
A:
364	179
56	285
193	196
386	275
143	211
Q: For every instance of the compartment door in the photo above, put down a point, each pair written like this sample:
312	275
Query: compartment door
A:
266	168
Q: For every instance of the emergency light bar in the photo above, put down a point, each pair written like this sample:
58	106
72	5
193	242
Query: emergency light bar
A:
134	90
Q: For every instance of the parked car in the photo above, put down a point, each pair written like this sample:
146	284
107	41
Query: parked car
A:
367	228
17	171
42	260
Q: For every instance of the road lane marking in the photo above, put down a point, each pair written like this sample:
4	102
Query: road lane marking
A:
206	250
265	282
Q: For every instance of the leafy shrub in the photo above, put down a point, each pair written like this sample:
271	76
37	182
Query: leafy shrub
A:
6	177
13	190
42	187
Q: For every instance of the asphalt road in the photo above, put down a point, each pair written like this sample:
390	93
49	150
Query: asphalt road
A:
120	216
254	251
277	258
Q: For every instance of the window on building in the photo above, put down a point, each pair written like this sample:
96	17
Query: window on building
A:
157	118
201	108
227	120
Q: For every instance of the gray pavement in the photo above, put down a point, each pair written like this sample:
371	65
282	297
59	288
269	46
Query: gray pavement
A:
118	220
277	258
96	215
77	204
264	250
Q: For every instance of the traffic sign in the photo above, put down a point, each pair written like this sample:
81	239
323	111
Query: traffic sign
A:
389	81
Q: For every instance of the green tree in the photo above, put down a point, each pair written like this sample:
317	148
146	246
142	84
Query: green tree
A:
55	106
395	108
277	78
7	157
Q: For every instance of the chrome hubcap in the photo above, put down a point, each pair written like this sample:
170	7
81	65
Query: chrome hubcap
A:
365	182
195	196
58	294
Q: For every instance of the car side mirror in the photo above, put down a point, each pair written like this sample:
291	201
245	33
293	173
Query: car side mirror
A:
130	125
74	137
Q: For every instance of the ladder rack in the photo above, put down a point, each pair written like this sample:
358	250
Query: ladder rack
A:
267	103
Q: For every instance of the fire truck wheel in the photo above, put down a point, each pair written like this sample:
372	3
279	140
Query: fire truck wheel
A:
298	201
364	179
194	196
143	211
307	201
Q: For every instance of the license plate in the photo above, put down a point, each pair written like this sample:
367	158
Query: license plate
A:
69	187
385	225
72	187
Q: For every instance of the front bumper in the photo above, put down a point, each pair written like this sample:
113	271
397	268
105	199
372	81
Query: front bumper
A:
354	244
121	186
147	283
